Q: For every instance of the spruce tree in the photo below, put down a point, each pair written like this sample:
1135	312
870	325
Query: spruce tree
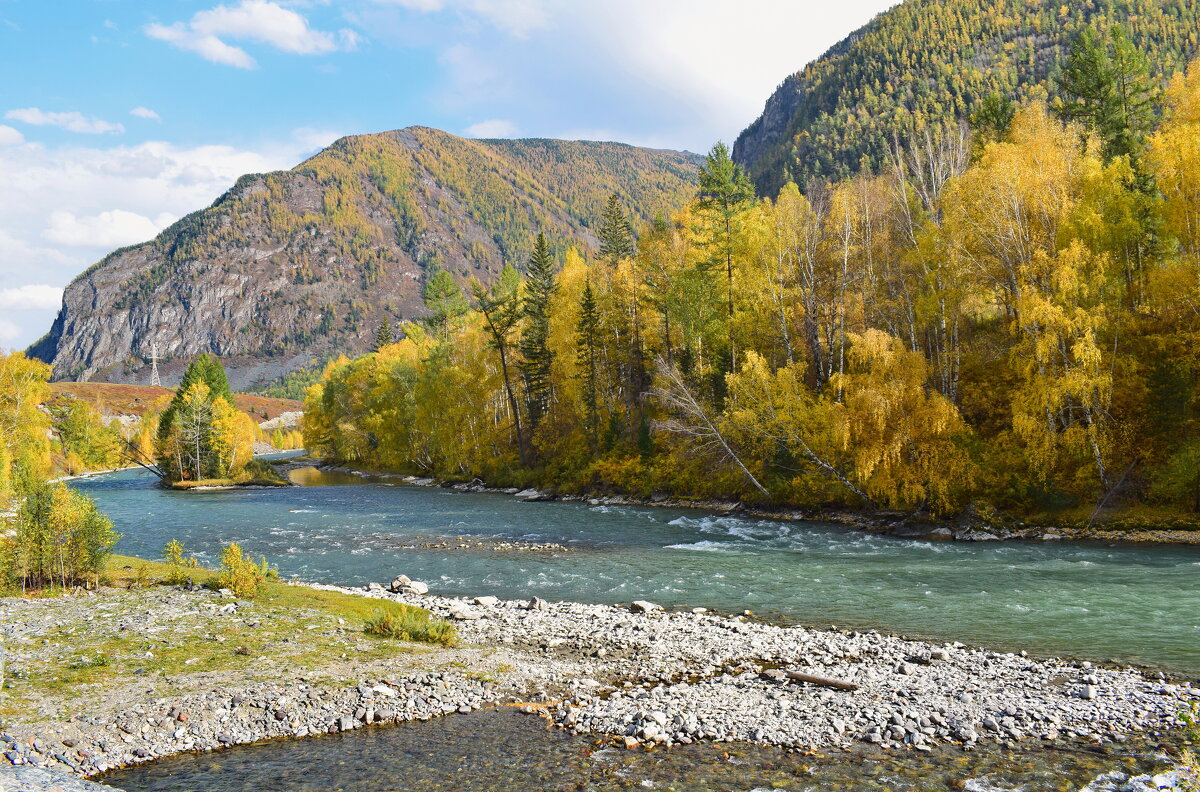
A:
205	368
537	359
383	336
615	233
587	357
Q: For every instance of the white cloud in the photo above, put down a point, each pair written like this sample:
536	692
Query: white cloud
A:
10	136
310	139
72	121
717	61
113	228
474	77
146	113
64	207
210	48
492	128
518	17
253	20
9	331
34	295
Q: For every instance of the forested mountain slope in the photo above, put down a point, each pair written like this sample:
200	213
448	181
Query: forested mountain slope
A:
296	265
933	61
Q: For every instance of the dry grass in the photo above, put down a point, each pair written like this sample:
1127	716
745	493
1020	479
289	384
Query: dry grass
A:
112	398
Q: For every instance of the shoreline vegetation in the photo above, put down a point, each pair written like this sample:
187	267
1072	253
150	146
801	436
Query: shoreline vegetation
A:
968	526
1001	322
144	668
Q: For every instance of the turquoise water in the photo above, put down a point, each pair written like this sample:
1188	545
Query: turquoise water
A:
1123	603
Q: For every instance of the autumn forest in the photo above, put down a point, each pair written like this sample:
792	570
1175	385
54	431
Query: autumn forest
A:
1005	314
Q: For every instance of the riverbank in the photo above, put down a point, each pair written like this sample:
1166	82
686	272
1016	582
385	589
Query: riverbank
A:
974	524
126	675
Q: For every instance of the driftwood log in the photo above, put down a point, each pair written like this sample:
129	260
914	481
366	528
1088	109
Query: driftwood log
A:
813	679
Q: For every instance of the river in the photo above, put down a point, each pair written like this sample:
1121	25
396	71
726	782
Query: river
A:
1124	603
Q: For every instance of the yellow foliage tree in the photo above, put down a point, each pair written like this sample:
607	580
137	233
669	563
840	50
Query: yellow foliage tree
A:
902	436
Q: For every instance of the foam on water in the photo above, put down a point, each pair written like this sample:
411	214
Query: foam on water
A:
1053	598
709	546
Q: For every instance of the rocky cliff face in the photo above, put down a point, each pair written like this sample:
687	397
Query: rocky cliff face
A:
293	266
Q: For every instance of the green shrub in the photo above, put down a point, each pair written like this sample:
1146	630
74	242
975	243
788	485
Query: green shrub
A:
412	624
61	539
177	566
239	574
258	471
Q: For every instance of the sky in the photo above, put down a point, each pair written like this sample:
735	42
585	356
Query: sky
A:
118	117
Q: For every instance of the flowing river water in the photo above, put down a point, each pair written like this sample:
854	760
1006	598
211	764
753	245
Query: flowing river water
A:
1104	603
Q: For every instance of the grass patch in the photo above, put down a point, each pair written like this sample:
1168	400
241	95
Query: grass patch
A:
201	483
257	473
425	628
411	624
283	629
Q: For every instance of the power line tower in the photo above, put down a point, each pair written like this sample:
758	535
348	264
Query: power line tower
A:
154	380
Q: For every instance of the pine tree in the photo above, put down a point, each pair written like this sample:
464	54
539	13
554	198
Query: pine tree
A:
725	191
1108	88
537	358
616	233
587	358
383	336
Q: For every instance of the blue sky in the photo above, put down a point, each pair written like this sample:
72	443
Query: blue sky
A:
119	116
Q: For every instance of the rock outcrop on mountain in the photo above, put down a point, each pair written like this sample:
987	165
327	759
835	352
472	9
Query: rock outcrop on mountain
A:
931	62
289	267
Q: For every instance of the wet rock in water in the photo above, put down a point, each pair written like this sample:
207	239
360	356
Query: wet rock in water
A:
45	779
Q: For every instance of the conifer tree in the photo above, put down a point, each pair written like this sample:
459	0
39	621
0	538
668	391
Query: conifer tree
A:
617	244
991	120
1109	90
616	233
206	368
725	191
536	357
383	336
501	309
446	303
587	344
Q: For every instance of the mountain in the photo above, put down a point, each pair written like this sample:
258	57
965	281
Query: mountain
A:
289	267
932	61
